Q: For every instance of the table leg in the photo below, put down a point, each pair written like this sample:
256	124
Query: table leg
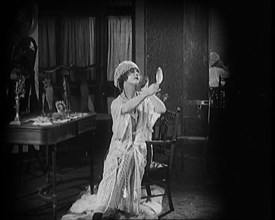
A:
91	172
38	159
44	191
54	200
47	164
20	152
92	184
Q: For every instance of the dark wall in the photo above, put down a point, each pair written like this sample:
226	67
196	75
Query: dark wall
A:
246	124
195	44
177	41
164	47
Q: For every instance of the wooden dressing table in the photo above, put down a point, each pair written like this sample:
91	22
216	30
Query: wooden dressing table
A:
49	136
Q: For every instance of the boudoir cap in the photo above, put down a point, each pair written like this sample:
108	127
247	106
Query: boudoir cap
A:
122	68
213	58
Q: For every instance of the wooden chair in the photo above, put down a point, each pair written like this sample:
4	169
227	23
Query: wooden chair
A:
160	153
195	127
80	76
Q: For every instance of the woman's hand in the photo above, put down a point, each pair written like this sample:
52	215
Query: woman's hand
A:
151	90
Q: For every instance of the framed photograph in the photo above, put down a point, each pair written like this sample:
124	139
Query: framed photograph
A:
60	106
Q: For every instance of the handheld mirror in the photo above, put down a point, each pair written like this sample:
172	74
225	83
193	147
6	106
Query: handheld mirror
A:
159	76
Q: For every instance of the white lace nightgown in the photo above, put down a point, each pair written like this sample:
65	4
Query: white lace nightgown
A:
125	162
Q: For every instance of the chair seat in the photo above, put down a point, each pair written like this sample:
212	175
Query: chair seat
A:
158	171
157	165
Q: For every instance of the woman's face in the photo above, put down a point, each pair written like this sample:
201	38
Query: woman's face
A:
133	76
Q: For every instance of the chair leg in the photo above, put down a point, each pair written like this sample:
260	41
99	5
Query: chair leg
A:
205	147
148	191
170	197
171	206
182	158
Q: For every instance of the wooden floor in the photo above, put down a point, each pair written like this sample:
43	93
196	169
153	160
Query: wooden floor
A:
72	176
194	197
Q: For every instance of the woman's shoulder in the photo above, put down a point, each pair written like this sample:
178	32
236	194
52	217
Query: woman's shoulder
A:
117	101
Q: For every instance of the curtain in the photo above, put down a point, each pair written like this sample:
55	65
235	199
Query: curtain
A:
47	41
119	42
78	42
47	51
34	35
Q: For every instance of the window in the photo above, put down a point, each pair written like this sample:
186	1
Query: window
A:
69	41
97	34
119	42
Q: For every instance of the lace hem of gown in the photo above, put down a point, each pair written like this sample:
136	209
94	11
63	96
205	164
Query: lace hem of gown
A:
83	208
